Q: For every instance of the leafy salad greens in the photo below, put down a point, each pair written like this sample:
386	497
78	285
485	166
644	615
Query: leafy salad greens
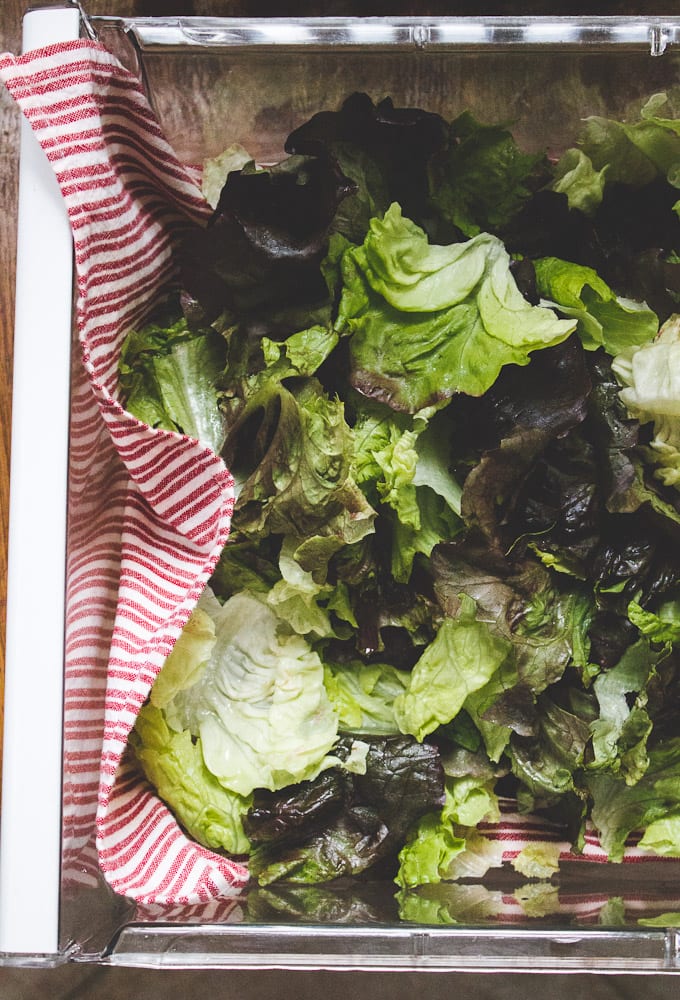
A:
445	375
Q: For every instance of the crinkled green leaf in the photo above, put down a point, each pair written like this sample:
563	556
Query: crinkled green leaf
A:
173	763
482	178
663	837
651	389
576	178
604	318
620	809
434	846
428	321
363	695
169	376
292	450
462	658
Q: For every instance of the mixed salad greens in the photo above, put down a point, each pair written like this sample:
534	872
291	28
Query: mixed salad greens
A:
445	374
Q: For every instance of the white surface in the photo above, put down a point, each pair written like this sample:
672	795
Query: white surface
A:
30	834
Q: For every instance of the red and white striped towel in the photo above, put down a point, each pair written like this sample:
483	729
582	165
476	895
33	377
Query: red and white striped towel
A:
149	511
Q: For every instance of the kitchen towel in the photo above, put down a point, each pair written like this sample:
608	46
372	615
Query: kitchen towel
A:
149	510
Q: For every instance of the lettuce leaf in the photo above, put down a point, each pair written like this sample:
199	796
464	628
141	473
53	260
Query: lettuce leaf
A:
168	376
358	819
259	705
648	374
619	809
433	847
462	658
291	448
428	321
576	178
604	318
663	837
173	763
363	695
384	149
620	733
659	626
482	178
635	153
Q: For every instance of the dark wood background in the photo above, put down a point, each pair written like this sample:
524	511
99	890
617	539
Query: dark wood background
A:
11	13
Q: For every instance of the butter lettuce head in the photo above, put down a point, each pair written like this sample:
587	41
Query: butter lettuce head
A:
428	321
260	706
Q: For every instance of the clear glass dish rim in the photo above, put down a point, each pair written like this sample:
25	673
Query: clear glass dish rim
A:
655	33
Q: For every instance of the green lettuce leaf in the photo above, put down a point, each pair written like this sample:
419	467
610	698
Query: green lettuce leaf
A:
604	318
482	178
291	448
168	378
619	734
661	625
635	153
576	178
259	705
437	523
301	353
363	695
173	763
428	321
620	809
186	660
434	847
385	460
298	599
462	658
649	376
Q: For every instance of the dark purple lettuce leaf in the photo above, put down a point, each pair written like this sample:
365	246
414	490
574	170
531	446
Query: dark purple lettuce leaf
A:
512	426
652	276
614	435
345	824
546	226
566	479
267	238
274	817
549	395
663	693
397	142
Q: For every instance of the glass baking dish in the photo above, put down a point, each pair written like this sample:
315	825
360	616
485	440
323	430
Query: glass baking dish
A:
213	82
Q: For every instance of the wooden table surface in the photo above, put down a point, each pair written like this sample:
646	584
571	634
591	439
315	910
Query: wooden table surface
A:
10	40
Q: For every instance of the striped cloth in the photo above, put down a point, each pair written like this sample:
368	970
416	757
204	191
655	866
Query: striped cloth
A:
149	510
